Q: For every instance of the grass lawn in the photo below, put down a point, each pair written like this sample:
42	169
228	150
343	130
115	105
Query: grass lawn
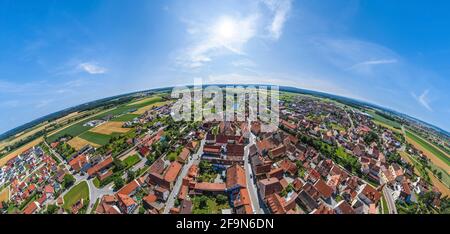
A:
97	138
96	182
212	207
126	117
77	192
384	205
95	205
429	147
132	160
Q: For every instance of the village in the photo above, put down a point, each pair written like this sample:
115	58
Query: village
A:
325	158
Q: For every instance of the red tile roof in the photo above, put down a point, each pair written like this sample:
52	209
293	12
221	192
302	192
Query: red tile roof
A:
173	171
371	193
77	163
126	200
184	154
31	208
49	189
99	166
212	187
235	150
129	188
323	189
211	149
235	176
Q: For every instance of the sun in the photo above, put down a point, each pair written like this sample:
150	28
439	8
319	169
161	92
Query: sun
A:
226	29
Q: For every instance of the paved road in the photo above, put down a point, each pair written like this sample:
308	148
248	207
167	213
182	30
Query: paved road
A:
56	154
194	159
389	200
95	193
351	121
251	187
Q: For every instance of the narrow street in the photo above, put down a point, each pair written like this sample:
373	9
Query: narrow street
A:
193	159
251	187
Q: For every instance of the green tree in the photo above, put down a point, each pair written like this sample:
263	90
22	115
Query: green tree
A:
205	167
203	202
51	209
131	175
118	183
118	165
69	180
222	199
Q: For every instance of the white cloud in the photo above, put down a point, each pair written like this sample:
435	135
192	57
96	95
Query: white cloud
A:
244	63
348	53
367	66
226	35
376	62
229	34
280	10
92	68
423	100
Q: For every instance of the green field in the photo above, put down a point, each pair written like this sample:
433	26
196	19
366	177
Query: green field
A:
97	138
77	192
384	205
78	128
132	160
125	118
429	147
382	119
212	207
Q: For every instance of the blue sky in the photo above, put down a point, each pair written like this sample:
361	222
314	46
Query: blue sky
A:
56	54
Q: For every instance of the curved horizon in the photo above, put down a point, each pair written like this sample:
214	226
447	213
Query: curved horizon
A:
168	87
78	52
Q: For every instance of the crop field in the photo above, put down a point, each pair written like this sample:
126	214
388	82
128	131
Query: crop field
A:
96	138
78	128
4	195
387	126
435	155
109	128
383	120
126	117
142	110
441	186
146	100
76	193
78	143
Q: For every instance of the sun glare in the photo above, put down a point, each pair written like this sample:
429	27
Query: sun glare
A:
226	29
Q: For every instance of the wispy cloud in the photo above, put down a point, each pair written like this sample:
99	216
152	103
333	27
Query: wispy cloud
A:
423	100
226	35
229	34
92	68
244	63
356	55
376	62
280	10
